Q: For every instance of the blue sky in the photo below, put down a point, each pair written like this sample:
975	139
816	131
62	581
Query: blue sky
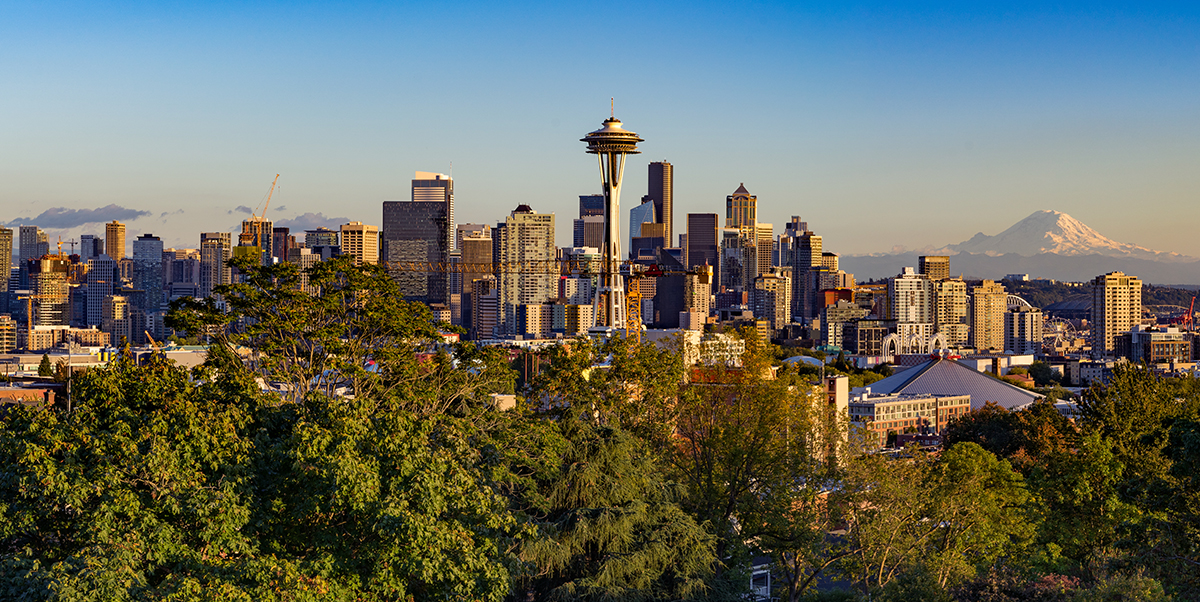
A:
882	125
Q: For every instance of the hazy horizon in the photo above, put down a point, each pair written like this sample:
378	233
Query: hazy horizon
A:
880	126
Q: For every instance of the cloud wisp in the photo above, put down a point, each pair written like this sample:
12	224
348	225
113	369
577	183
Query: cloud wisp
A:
62	217
311	221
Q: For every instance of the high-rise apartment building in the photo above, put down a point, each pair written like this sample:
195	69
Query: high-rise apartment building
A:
741	209
661	188
701	240
436	188
910	298
989	301
1116	309
361	241
114	240
937	267
836	317
215	251
1023	330
148	271
526	238
773	299
950	311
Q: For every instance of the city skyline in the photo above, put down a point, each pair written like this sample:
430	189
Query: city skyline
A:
173	121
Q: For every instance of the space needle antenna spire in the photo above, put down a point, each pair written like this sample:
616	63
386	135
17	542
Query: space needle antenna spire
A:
611	144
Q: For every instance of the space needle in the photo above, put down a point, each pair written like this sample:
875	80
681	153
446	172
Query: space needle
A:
611	144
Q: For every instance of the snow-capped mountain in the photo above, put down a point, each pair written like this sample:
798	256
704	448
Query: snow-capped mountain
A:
1058	233
1047	244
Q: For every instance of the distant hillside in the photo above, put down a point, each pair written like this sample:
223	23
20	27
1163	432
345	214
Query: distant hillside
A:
1041	294
1071	268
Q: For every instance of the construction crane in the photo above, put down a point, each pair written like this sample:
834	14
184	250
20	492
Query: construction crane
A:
29	299
271	192
153	343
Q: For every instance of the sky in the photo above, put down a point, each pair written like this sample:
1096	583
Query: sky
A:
884	126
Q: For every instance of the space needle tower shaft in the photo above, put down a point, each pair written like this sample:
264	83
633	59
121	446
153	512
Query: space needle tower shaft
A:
611	144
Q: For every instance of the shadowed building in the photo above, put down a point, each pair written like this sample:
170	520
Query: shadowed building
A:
702	242
417	232
661	188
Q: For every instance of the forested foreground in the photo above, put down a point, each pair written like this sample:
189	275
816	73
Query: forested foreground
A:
383	470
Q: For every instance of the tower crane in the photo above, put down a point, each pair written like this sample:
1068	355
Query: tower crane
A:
270	192
29	299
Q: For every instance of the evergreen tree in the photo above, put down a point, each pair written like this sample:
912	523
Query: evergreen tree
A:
45	368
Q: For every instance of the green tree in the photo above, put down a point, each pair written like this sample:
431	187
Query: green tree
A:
611	527
355	333
1149	423
948	518
1124	588
1043	375
45	368
742	442
163	484
1079	508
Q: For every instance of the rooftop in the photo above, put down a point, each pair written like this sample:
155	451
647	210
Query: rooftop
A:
946	377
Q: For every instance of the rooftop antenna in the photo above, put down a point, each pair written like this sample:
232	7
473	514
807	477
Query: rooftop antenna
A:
612	107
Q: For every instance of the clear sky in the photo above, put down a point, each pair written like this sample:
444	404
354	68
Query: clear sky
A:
881	125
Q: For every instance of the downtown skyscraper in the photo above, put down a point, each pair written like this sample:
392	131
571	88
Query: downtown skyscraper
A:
114	240
421	231
661	184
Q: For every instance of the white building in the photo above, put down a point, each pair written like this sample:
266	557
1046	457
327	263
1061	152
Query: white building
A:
361	241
